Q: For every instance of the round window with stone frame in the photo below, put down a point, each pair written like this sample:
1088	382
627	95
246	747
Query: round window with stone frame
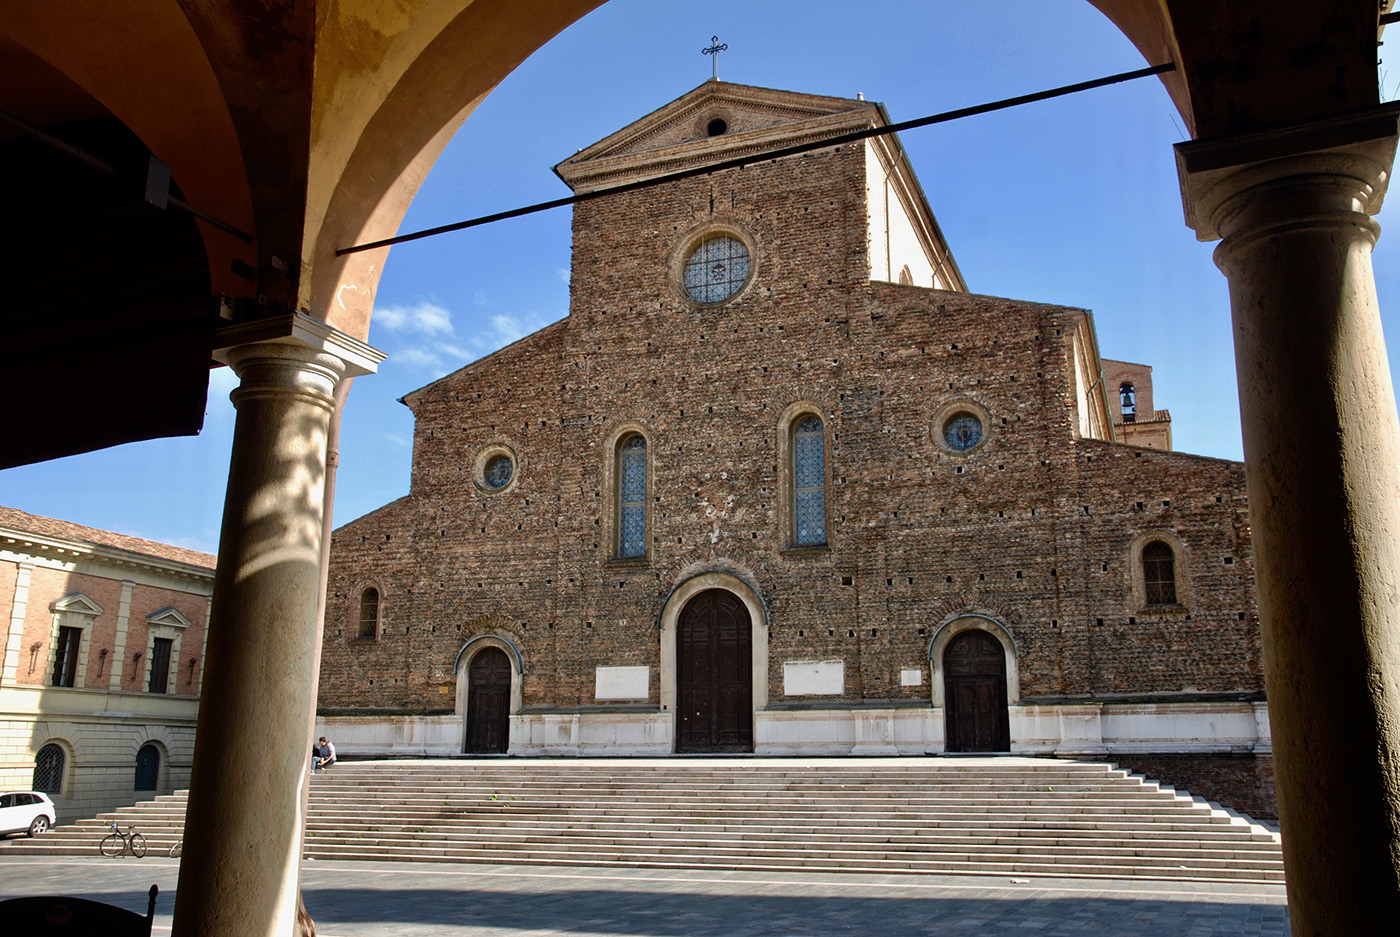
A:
715	269
495	469
960	426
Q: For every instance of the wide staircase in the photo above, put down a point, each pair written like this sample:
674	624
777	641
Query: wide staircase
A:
994	816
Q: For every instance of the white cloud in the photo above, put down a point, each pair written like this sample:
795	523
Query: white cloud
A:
563	274
425	318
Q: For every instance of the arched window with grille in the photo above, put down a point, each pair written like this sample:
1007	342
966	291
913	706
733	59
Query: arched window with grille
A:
1159	573
148	768
48	769
369	613
632	496
808	481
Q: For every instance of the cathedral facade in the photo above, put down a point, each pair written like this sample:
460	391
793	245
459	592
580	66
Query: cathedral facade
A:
780	484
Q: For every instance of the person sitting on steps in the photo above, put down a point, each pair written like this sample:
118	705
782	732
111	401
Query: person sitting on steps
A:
323	755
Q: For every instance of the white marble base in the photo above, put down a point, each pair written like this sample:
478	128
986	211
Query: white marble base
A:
1085	730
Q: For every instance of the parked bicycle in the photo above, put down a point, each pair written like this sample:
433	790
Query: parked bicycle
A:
118	842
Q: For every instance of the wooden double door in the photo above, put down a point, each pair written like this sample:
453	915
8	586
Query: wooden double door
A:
974	680
714	675
488	703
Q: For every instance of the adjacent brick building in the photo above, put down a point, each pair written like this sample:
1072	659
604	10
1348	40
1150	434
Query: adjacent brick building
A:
779	483
103	656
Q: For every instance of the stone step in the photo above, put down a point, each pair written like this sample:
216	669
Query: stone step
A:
915	815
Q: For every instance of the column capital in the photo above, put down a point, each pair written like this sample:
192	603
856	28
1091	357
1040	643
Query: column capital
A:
1349	157
300	330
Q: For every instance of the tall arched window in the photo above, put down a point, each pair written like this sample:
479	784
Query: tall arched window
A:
1127	400
632	496
808	482
48	769
1159	573
147	768
369	613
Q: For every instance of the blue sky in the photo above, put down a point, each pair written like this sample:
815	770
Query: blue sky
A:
1073	201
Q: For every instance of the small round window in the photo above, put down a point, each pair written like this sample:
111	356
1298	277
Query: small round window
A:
499	470
716	269
962	432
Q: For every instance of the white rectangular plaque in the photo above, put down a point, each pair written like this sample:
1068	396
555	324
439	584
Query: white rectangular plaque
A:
623	683
911	678
814	677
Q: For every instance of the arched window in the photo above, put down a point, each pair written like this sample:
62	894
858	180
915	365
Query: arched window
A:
48	769
1128	402
369	613
147	768
632	496
1159	573
808	482
905	277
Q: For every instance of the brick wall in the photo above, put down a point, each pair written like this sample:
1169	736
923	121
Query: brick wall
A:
1241	782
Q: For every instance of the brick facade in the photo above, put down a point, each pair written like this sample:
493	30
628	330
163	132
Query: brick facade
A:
120	593
1034	534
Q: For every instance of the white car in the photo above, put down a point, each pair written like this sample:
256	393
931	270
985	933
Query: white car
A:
25	812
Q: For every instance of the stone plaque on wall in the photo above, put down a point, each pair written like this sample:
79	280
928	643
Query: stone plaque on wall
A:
619	683
911	678
814	677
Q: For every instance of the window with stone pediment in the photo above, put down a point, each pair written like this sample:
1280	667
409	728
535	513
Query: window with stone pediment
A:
631	473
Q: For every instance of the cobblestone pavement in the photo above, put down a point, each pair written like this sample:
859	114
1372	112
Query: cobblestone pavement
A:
388	899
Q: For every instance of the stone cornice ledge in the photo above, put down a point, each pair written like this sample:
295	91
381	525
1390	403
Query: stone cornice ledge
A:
1212	171
298	328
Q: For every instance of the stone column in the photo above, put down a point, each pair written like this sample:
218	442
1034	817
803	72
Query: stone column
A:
238	877
1321	446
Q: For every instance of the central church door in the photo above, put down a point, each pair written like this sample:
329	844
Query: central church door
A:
974	675
488	702
714	675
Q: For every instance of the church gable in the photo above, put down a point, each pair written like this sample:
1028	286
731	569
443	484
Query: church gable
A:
716	120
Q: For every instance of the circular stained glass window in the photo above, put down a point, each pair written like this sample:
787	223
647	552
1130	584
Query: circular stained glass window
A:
498	472
716	269
962	432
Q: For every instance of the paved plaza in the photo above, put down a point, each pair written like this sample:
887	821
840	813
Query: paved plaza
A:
379	899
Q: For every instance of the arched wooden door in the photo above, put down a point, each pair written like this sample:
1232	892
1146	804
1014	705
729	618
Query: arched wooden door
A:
974	680
488	702
714	675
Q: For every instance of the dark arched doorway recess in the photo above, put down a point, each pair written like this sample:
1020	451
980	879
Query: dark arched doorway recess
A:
488	703
714	675
974	668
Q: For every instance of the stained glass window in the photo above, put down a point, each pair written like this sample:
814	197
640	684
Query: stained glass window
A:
963	432
499	469
809	482
147	768
716	269
632	497
48	770
1159	573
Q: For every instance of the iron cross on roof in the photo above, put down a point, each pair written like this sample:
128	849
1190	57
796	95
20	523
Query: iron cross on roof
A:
715	49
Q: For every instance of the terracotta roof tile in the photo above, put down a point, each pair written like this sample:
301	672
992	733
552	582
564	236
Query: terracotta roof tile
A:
66	530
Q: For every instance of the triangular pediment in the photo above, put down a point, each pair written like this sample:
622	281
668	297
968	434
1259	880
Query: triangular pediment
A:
715	121
169	616
75	602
